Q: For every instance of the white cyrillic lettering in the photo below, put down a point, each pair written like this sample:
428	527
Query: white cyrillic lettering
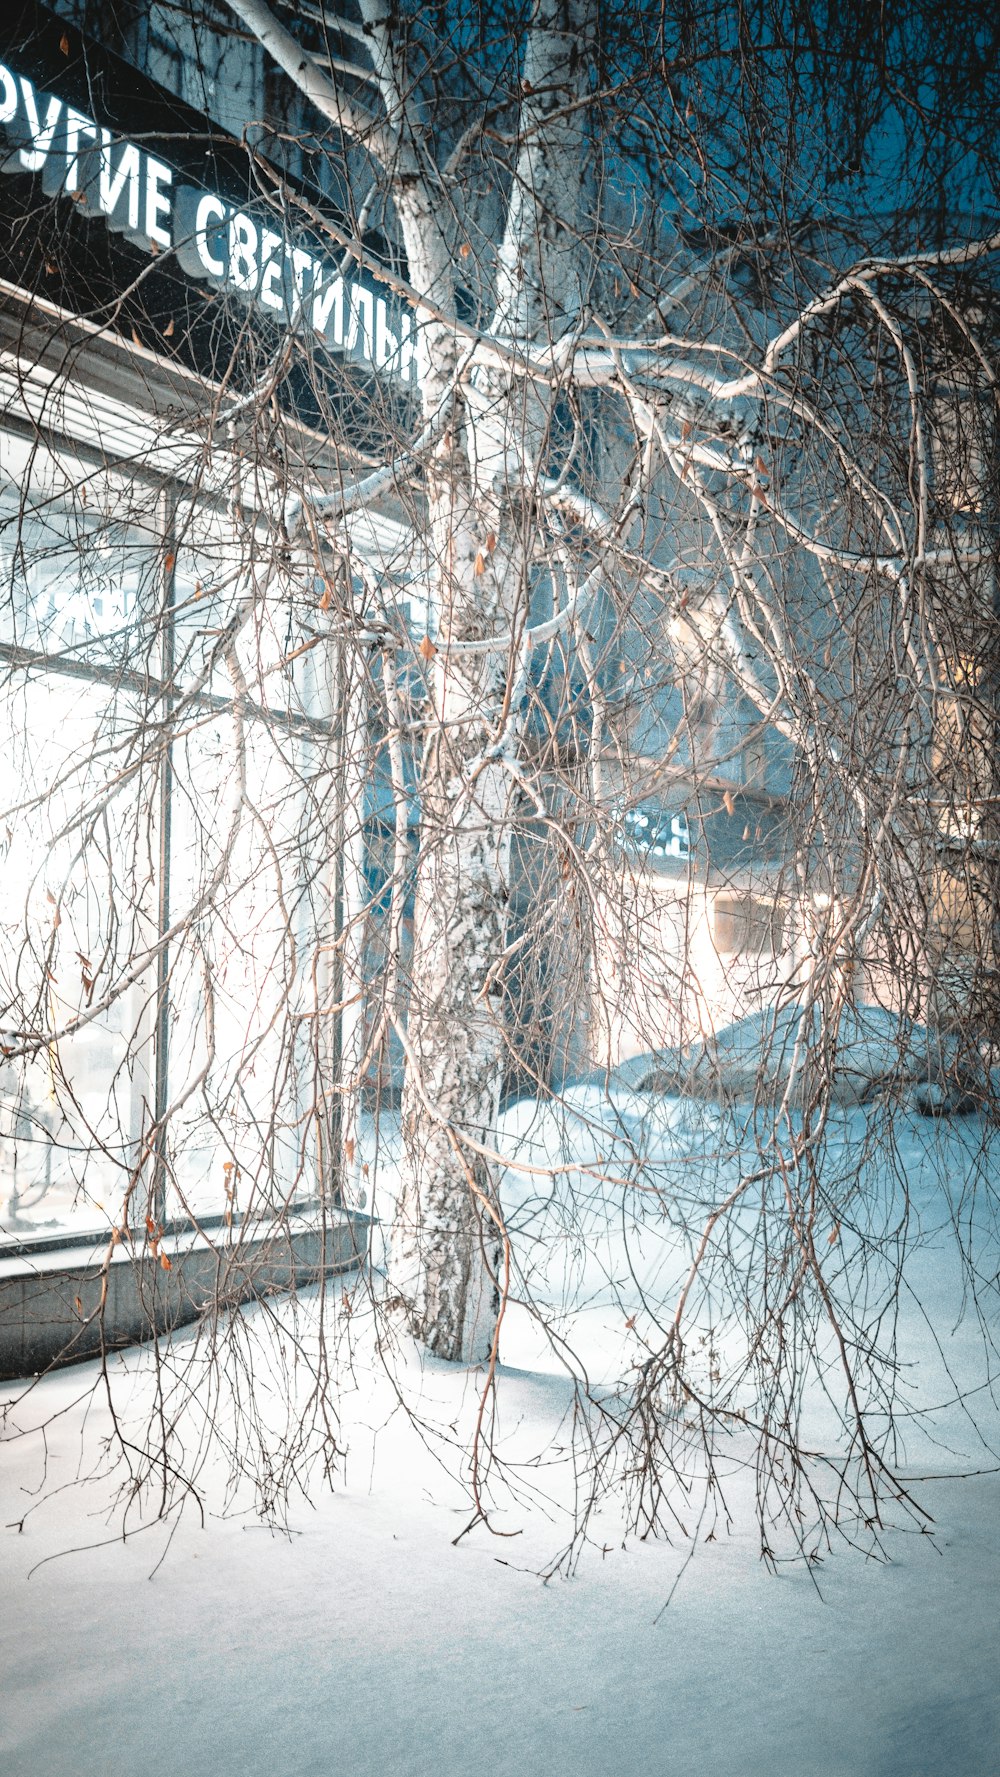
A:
386	343
34	158
361	333
209	208
272	267
157	201
8	95
77	125
200	232
406	365
303	268
112	182
392	353
135	192
329	296
244	270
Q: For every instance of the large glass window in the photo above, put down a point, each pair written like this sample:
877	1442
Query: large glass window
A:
165	897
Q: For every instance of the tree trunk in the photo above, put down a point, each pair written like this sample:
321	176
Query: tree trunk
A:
490	430
446	1241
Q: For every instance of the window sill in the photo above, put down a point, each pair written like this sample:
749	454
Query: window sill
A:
70	1302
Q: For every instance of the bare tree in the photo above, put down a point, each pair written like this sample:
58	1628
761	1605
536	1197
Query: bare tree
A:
716	417
692	498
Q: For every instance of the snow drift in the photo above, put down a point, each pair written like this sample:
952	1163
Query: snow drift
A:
862	1051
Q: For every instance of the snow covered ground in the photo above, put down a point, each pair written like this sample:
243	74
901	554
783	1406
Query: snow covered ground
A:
361	1639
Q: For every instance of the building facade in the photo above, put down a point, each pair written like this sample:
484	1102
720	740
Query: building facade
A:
168	710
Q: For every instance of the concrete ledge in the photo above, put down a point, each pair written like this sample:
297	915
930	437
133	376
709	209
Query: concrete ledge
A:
62	1306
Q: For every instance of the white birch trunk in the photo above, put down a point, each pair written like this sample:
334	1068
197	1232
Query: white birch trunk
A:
480	484
446	1240
354	741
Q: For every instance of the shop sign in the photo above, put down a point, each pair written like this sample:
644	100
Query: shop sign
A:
137	195
657	834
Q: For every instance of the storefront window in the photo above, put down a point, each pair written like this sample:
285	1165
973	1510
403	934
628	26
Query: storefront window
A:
165	896
70	911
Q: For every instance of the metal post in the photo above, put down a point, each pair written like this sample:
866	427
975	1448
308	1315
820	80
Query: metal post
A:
167	575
